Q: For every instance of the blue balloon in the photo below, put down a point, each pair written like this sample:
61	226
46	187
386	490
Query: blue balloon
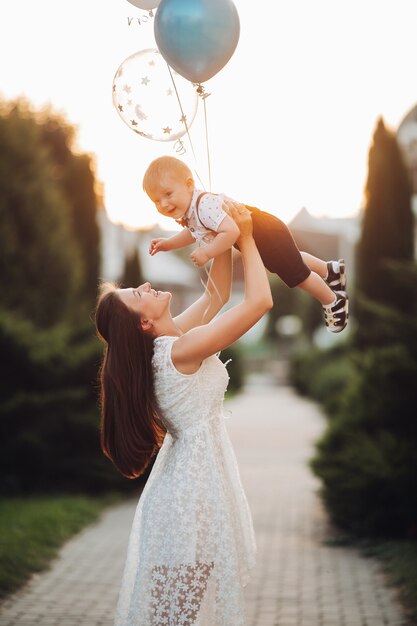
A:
197	37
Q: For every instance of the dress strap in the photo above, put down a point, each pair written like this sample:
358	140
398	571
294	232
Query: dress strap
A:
162	351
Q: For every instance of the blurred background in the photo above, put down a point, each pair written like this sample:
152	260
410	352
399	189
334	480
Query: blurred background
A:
313	119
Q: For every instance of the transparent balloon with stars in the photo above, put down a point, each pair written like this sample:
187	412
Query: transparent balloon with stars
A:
152	99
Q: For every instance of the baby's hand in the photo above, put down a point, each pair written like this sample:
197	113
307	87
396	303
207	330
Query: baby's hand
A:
158	245
199	257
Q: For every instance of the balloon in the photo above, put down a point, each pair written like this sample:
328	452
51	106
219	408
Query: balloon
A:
146	99
147	5
197	37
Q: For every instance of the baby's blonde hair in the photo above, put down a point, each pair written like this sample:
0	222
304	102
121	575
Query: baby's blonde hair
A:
164	165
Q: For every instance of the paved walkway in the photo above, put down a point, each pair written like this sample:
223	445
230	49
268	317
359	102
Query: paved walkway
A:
298	580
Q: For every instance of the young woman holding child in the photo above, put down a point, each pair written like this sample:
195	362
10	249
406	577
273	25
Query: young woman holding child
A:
192	544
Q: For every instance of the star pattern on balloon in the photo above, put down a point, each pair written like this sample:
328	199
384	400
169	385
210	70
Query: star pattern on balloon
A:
140	114
148	102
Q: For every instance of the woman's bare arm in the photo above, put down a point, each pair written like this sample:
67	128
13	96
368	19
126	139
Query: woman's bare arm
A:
226	236
216	294
189	350
218	287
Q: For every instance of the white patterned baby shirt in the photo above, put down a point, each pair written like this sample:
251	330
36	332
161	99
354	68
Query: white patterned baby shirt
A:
207	218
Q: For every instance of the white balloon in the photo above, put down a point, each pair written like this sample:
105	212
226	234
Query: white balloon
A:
149	101
147	5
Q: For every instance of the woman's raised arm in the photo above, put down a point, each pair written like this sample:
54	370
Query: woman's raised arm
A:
189	350
216	294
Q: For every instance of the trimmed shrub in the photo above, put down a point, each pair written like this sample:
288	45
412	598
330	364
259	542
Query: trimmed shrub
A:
49	420
367	458
322	375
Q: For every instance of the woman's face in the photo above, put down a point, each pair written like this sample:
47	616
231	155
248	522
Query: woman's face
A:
150	304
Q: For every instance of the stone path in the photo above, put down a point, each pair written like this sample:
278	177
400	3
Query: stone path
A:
299	580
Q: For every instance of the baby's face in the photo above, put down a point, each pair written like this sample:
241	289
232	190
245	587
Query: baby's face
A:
172	196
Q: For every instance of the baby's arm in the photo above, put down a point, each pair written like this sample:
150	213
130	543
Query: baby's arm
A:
226	236
164	244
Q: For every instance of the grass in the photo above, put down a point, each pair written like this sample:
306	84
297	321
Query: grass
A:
32	529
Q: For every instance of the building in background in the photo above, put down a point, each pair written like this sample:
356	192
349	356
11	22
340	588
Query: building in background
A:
167	271
407	140
327	238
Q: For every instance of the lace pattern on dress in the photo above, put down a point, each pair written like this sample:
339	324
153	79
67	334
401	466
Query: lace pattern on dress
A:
192	544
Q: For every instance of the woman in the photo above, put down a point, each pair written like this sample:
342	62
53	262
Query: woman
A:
162	386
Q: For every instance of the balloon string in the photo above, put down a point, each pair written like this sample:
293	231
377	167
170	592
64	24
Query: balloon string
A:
186	125
207	142
179	147
210	280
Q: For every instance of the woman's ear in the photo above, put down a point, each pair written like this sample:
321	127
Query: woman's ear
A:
146	325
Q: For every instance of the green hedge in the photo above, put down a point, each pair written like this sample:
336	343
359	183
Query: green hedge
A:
49	419
49	415
367	457
322	375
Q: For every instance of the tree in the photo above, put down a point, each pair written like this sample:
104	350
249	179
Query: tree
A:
387	229
49	422
366	458
132	271
39	257
75	173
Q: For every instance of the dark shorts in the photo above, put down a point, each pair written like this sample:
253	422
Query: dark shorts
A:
277	248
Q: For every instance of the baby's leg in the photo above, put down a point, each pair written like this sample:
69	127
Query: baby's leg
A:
316	287
315	264
333	272
314	284
335	303
281	256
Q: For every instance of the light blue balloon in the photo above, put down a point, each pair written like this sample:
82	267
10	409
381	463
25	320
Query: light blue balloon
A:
196	37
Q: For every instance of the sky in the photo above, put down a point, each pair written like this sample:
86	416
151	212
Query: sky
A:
290	117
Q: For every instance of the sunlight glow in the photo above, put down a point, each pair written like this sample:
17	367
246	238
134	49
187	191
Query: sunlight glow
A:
290	116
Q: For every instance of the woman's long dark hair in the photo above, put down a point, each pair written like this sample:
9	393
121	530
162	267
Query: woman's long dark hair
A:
131	431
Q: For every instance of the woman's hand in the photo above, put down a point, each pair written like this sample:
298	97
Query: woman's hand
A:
242	217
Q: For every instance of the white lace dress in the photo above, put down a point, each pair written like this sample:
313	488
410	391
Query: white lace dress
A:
192	542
